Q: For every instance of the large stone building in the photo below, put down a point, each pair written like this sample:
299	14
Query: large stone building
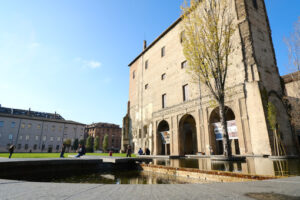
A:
292	90
113	132
32	131
167	115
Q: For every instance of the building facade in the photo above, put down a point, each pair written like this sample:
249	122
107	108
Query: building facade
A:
32	131
292	91
113	132
167	113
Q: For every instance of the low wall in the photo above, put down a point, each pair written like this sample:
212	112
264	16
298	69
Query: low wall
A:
215	176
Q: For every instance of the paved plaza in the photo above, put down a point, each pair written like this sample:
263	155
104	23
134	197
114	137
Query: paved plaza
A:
288	188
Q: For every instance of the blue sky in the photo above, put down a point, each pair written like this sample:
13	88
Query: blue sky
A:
71	56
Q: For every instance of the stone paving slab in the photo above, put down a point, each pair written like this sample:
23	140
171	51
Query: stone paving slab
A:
288	188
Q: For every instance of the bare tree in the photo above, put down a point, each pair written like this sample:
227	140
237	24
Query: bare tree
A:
208	29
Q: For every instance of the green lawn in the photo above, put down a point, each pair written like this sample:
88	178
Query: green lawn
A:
56	155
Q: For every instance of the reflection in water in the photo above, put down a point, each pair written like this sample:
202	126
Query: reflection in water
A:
252	165
131	177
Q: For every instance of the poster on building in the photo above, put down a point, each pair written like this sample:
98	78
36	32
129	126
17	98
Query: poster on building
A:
231	128
165	136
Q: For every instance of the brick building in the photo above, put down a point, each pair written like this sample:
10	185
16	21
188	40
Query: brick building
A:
101	129
168	115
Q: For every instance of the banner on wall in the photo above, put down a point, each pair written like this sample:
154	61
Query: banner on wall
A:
165	136
231	128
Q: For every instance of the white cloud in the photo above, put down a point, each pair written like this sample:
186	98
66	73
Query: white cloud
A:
88	63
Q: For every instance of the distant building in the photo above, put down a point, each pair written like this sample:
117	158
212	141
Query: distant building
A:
32	131
101	129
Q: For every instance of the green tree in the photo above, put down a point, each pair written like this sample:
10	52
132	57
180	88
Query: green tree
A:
96	143
105	143
67	143
82	142
75	144
207	45
89	144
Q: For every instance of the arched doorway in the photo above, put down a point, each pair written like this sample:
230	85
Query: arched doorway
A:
163	138
187	135
216	139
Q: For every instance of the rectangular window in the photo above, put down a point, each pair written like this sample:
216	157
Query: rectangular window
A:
51	138
183	64
163	52
44	138
164	100
58	139
133	75
34	147
182	36
146	86
43	147
146	64
13	124
163	76
36	137
255	4
23	125
27	137
26	146
57	147
38	126
10	136
19	146
1	123
29	126
185	91
20	137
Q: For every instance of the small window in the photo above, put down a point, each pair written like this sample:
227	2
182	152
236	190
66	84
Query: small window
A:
26	146
146	86
1	123
10	136
27	137
146	64
29	126
43	146
183	64
255	4
163	52
19	146
22	125
51	138
36	137
58	139
185	92
34	147
163	76
182	36
44	138
164	100
13	124
133	74
57	147
20	137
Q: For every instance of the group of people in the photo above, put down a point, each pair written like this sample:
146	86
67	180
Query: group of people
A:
147	152
81	151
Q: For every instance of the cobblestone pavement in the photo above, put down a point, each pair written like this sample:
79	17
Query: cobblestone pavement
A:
287	189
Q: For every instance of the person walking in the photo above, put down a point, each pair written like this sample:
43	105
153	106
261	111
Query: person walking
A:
128	151
147	151
11	150
63	149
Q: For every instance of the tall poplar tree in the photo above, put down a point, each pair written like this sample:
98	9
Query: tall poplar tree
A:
207	45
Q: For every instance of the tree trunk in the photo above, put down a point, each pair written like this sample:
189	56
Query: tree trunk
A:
226	143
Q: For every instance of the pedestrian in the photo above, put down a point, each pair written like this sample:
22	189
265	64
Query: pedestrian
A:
140	152
11	150
128	151
63	149
110	152
81	151
147	151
